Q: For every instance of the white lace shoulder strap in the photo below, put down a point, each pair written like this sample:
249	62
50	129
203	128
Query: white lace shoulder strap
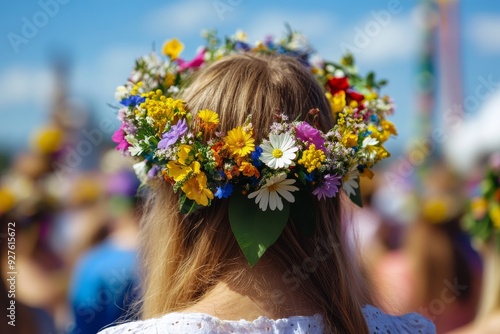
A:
413	323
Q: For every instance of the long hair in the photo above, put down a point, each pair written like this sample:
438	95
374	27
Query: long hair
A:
185	256
490	290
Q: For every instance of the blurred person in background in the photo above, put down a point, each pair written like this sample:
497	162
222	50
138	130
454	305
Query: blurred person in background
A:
446	269
27	203
482	221
429	265
104	280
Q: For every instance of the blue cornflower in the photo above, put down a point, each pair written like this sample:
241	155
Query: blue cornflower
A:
242	46
132	100
310	177
224	191
255	155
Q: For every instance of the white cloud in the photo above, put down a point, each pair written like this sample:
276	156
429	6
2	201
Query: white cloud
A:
21	84
484	30
374	41
188	17
314	25
475	138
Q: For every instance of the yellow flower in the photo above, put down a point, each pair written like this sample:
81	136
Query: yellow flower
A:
7	200
350	140
371	96
173	48
239	142
435	210
135	89
367	172
179	170
209	120
183	153
208	116
479	206
48	140
388	126
312	158
169	79
381	152
161	109
337	101
495	216
196	189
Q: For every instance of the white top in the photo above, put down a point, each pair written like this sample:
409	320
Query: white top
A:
378	322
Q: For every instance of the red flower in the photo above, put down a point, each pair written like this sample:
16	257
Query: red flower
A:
335	85
355	96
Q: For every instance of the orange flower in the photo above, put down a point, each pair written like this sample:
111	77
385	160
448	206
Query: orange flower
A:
249	170
233	172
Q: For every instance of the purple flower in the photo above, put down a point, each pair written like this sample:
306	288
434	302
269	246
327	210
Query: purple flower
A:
305	132
329	188
119	138
170	137
153	171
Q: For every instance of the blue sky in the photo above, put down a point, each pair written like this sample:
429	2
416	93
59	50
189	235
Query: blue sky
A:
102	39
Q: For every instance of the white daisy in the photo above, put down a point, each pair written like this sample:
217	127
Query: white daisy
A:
278	151
350	181
270	192
369	148
140	170
121	93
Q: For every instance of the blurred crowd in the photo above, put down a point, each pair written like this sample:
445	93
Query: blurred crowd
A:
76	236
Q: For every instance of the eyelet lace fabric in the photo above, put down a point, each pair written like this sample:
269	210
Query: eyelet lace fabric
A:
378	323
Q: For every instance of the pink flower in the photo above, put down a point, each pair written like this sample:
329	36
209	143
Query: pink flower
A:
194	63
119	138
305	132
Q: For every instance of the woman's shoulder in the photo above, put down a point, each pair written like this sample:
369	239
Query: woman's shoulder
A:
380	322
377	321
204	323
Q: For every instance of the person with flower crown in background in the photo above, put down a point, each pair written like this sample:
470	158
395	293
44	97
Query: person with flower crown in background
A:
482	221
247	176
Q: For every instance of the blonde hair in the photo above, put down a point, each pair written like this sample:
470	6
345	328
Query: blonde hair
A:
490	289
185	256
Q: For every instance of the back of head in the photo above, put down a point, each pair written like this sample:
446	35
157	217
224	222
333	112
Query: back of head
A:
185	256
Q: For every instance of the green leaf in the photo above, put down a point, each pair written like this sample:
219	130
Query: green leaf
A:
356	198
370	79
188	206
302	213
254	229
382	83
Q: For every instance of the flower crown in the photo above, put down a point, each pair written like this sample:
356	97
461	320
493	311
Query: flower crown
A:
296	159
483	217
